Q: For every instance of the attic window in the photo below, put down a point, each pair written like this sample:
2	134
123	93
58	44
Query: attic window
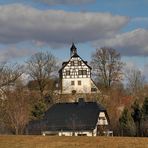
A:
82	72
72	63
79	63
67	72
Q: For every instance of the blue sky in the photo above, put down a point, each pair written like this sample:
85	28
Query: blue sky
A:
29	26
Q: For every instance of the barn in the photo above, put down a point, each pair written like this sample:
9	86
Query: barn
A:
76	119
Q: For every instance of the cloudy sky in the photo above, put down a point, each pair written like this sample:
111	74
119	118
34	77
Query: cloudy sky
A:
29	26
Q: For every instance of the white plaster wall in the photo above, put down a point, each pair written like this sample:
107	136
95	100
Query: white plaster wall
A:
86	81
85	86
102	121
95	131
65	133
87	133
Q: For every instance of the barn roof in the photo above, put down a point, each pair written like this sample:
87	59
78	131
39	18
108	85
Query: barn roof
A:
73	116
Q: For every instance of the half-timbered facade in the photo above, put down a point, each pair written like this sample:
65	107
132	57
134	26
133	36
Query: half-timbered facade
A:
75	75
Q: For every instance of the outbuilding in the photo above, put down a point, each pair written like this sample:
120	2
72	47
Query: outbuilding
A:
76	119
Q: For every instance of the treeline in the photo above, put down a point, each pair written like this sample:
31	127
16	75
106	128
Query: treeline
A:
21	102
134	122
122	91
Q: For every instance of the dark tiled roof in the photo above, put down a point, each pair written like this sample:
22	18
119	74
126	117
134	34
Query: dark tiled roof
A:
73	116
73	46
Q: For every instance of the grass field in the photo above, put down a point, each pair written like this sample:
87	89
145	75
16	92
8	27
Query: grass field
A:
71	142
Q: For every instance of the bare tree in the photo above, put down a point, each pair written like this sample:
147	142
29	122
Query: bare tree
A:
107	66
9	74
135	81
17	109
40	67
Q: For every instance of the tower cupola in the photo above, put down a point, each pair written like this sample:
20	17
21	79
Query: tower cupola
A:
73	49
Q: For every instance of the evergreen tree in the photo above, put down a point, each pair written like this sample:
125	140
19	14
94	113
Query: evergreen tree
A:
137	116
144	117
39	109
126	123
145	107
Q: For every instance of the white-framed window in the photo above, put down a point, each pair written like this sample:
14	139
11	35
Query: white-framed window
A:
79	82
72	82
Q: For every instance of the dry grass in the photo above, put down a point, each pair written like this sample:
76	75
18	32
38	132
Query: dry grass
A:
71	142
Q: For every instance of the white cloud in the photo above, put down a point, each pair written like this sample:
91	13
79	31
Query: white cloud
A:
23	23
134	43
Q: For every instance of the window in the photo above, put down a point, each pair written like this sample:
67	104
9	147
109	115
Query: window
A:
72	82
93	89
79	63
82	72
79	82
102	118
72	63
67	72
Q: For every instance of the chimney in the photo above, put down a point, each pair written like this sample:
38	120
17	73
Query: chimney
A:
81	102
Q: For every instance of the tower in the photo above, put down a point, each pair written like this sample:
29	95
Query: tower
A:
75	75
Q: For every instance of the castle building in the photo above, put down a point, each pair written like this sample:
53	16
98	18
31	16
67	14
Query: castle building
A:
75	75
